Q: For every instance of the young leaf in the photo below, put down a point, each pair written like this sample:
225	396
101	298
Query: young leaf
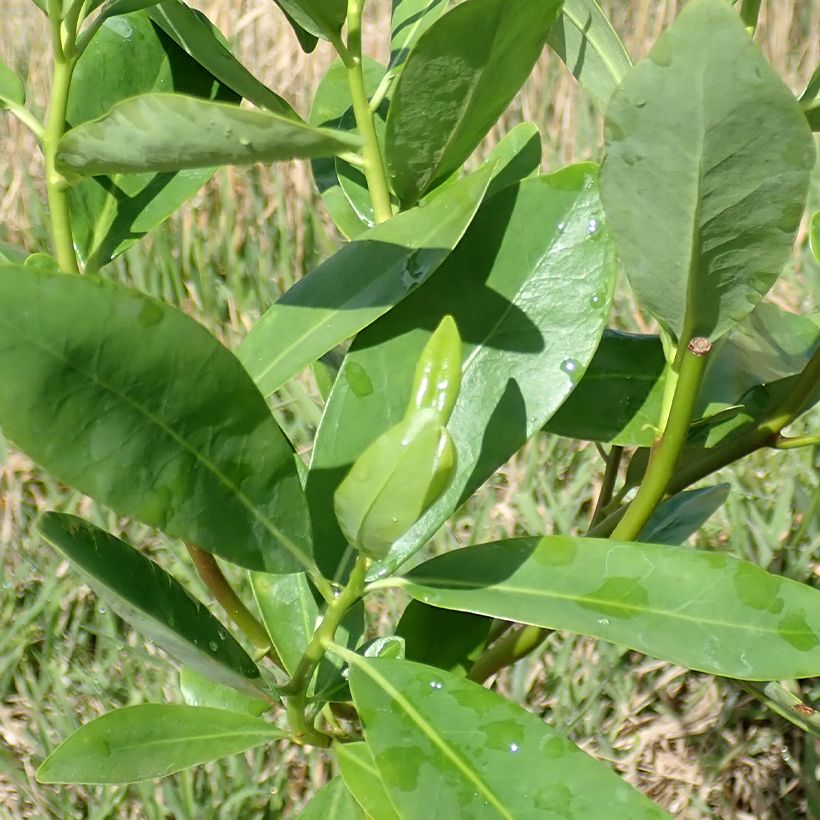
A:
683	515
706	113
138	406
529	287
171	132
443	638
459	78
322	18
201	691
12	89
143	742
584	39
703	610
333	802
151	600
362	780
196	35
289	611
358	284
127	57
410	19
431	733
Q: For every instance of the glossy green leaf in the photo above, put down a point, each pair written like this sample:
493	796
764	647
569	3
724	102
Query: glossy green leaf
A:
358	284
114	8
446	748
12	255
393	482
516	157
289	611
307	41
12	89
704	610
443	638
681	516
529	287
333	802
151	600
584	39
127	57
409	20
814	236
197	36
201	691
170	132
810	100
143	742
709	116
322	18
457	81
363	781
137	405
618	400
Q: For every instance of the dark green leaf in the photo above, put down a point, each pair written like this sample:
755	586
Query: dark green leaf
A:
201	691
618	400
151	600
459	78
144	742
443	638
333	802
289	611
708	115
703	610
446	748
362	779
529	287
307	41
138	406
113	8
170	132
12	89
358	284
330	108
683	515
199	38
584	39
810	100
127	57
410	19
322	18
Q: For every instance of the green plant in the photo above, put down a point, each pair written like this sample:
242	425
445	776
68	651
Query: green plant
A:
701	192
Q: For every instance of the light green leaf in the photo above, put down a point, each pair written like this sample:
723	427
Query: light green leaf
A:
171	132
199	38
529	287
12	89
289	611
683	515
362	780
704	610
333	802
410	19
126	57
584	39
201	691
814	236
446	748
457	81
517	156
709	116
322	18
138	406
151	600
358	284
144	742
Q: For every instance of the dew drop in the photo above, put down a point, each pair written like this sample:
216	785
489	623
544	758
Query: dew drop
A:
436	684
513	747
593	227
570	367
102	610
561	227
345	673
244	141
603	621
212	645
6	585
596	300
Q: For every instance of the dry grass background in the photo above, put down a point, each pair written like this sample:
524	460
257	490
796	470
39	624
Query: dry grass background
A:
693	743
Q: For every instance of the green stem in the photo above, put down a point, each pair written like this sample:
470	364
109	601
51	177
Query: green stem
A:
613	464
793	442
296	688
780	700
375	172
28	119
506	651
666	451
56	185
223	592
